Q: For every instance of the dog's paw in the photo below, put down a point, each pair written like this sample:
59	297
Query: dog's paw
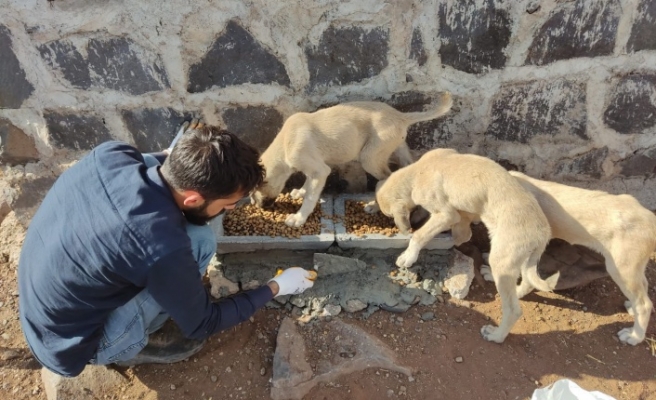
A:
492	334
294	220
486	273
406	259
371	207
297	193
629	308
629	336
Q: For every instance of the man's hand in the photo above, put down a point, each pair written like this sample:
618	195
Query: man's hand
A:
294	280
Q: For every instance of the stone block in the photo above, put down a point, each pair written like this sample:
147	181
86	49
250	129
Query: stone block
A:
524	110
14	86
583	28
640	164
290	367
15	146
460	275
347	55
417	50
632	107
256	125
75	131
587	164
474	34
153	129
236	57
643	35
116	63
94	382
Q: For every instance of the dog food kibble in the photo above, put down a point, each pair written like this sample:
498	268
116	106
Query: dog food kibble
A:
359	222
250	220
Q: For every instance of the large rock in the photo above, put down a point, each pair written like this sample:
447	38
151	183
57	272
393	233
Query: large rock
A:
642	163
256	125
93	383
588	164
347	55
15	146
644	25
524	110
417	50
14	86
74	130
460	275
632	107
236	58
474	34
584	28
153	129
116	63
350	349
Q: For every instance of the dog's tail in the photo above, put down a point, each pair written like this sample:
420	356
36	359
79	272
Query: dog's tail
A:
446	101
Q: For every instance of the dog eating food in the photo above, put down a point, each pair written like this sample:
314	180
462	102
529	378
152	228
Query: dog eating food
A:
359	222
251	220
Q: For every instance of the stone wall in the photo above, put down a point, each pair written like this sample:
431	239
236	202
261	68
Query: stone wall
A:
561	89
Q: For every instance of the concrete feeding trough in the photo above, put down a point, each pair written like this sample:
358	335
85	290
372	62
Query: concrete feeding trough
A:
239	244
348	240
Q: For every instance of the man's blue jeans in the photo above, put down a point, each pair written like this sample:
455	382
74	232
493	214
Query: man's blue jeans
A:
126	330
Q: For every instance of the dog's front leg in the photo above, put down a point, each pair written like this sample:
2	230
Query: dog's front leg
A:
436	223
314	185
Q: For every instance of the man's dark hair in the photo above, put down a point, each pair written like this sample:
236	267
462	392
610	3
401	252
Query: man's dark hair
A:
213	162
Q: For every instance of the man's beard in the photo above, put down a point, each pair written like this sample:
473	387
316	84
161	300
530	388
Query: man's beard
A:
198	216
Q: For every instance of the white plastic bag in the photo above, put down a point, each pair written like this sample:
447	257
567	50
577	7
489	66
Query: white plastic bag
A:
565	389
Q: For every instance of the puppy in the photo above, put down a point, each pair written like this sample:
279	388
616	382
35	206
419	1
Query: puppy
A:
457	189
616	226
312	143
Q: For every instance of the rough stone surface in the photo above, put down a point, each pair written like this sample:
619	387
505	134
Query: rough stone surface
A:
350	349
219	285
236	57
422	135
417	50
289	365
644	25
346	55
474	35
14	86
256	125
460	275
632	107
584	28
93	382
153	129
640	164
523	111
115	63
15	146
75	131
587	164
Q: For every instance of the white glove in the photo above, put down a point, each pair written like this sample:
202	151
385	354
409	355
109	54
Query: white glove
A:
294	280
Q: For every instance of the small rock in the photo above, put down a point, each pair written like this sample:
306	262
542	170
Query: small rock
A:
411	379
213	378
206	368
262	371
390	393
400	319
354	305
5	336
14	293
172	387
228	369
9	355
428	316
2	303
332	310
402	391
459	359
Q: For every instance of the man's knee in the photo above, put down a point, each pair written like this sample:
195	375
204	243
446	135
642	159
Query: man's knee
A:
203	244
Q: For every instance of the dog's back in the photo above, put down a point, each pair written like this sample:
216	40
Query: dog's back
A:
592	218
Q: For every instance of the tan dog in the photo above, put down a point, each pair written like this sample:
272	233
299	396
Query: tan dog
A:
616	226
312	143
457	189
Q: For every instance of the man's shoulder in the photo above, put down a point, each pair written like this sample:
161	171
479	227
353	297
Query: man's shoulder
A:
116	151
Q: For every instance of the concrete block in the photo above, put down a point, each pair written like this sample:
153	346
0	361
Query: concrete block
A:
238	244
347	240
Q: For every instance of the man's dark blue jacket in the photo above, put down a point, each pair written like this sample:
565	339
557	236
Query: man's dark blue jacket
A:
108	228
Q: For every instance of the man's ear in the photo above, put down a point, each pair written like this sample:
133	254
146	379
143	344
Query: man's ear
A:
192	198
